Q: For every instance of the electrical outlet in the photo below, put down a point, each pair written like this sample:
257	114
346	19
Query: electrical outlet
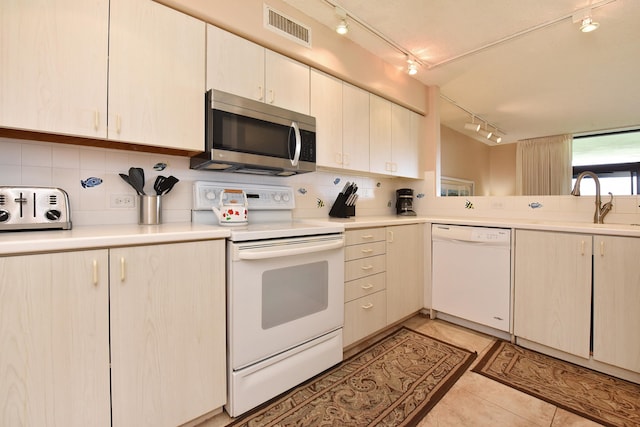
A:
123	201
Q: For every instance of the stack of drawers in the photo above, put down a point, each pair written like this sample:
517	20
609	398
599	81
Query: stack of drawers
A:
365	308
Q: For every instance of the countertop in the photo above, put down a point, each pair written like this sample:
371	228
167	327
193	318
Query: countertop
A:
105	236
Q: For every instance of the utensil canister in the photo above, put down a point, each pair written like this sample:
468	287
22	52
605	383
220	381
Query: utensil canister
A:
150	210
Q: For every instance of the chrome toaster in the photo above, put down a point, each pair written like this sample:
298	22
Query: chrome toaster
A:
34	208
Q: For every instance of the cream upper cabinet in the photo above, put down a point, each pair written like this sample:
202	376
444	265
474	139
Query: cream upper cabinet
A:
405	277
616	299
241	67
156	76
54	340
53	66
394	137
234	65
380	135
326	107
553	290
355	128
167	332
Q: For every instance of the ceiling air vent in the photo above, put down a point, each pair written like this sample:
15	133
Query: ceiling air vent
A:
287	27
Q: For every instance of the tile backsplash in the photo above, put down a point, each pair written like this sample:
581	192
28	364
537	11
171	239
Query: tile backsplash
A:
65	166
60	165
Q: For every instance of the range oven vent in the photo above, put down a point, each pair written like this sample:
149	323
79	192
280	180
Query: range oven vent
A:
53	200
2	199
287	27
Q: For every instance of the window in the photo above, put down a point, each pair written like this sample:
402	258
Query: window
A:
614	157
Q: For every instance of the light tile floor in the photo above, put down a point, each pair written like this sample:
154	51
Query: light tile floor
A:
474	400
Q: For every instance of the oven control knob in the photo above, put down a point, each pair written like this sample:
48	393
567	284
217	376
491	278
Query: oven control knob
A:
285	197
210	195
4	216
276	197
53	214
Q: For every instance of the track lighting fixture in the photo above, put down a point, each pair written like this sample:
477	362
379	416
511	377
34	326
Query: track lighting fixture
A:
496	138
588	25
472	125
342	28
586	21
485	133
412	67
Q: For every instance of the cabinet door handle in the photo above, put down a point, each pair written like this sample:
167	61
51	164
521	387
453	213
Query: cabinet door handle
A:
367	286
95	272
260	93
390	238
122	269
118	124
367	306
345	159
339	158
601	247
272	96
367	267
96	120
582	247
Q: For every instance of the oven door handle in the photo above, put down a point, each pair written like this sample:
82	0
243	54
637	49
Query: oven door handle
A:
252	254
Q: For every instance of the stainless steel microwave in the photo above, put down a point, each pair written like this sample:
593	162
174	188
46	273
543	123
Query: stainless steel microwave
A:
248	136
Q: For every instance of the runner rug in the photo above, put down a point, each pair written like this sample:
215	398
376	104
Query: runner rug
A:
604	399
394	382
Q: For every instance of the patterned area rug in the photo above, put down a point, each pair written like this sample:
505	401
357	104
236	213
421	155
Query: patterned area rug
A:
604	399
394	382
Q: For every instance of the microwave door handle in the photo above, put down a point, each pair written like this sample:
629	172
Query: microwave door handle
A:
296	155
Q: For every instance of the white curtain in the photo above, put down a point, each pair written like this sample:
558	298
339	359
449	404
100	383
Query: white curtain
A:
543	165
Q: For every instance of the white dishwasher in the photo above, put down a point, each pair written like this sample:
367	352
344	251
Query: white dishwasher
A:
471	269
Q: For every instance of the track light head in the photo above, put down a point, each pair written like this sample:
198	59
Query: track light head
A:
342	28
412	67
472	126
485	133
588	25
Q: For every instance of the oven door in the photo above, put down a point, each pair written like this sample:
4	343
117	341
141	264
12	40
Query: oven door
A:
282	293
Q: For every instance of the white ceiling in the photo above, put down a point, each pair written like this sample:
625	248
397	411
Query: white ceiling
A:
533	72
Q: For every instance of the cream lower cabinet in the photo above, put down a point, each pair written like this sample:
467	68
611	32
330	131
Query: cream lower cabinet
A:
54	340
365	309
552	303
405	274
158	312
616	301
167	332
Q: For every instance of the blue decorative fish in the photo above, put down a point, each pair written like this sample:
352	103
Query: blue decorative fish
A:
419	195
535	205
91	182
336	181
160	166
302	190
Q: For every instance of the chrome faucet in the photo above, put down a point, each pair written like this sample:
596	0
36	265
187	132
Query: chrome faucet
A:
601	210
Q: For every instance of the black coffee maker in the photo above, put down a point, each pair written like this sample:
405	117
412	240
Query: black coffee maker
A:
404	202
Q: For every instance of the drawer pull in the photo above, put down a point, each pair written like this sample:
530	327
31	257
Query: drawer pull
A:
366	251
367	286
367	236
367	267
367	306
95	272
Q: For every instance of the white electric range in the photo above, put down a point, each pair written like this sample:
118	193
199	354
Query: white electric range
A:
285	293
